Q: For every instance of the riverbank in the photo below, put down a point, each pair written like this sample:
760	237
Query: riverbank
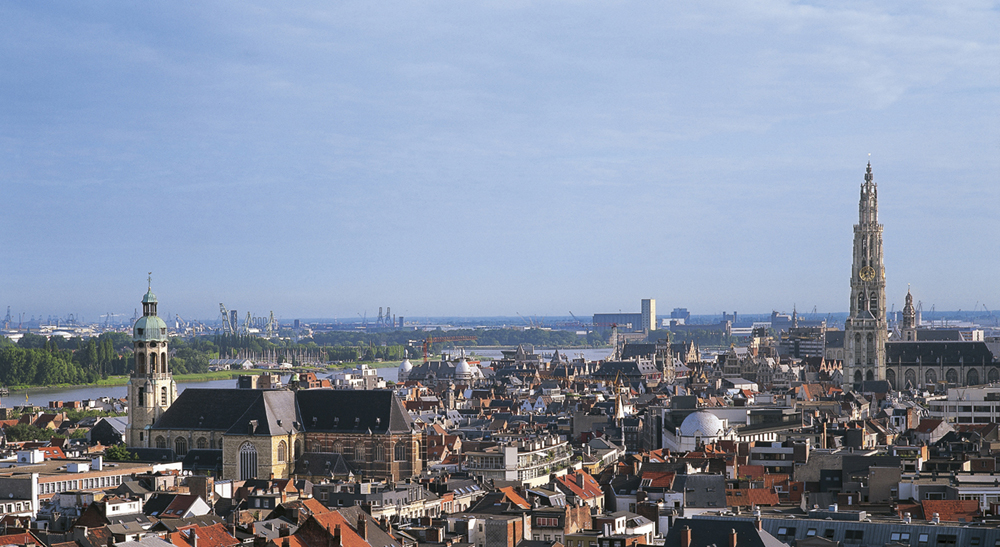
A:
114	381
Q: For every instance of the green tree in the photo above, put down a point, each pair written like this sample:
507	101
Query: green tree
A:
119	453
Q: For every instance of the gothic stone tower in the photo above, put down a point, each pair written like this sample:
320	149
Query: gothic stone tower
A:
909	330
151	388
866	329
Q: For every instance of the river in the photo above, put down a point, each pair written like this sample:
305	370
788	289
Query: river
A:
43	396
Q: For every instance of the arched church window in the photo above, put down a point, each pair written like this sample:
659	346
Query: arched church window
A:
930	376
359	452
163	362
338	447
857	377
871	344
282	451
972	377
379	452
910	377
861	301
202	443
400	452
869	376
161	442
152	360
248	461
140	362
163	396
873	303
890	376
180	446
951	376
993	375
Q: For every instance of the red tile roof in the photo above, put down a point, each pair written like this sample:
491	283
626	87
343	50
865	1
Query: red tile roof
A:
215	535
951	510
590	489
515	498
745	497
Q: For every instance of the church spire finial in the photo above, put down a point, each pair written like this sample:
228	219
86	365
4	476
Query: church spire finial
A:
150	281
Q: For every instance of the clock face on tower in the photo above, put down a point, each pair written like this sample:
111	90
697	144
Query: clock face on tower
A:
867	273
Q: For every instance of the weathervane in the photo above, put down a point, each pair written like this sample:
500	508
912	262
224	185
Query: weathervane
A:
150	280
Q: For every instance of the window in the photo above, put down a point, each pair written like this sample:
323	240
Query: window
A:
853	536
400	452
202	443
161	442
810	532
282	451
248	461
975	541
828	533
922	539
947	540
180	446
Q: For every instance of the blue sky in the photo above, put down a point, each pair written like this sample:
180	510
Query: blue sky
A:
490	158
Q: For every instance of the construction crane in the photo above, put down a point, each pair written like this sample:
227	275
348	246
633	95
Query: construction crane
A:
227	322
431	339
247	323
8	319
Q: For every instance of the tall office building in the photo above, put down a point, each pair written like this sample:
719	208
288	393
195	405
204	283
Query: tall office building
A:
648	314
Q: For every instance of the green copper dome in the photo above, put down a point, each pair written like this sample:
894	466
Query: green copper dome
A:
149	298
149	328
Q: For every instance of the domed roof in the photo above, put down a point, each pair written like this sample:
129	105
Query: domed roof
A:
703	423
405	366
149	327
462	368
149	297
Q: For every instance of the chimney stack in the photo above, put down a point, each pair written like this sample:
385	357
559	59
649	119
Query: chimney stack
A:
363	526
194	537
732	537
579	479
686	536
336	536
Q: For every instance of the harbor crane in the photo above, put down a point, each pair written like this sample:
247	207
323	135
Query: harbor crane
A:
227	322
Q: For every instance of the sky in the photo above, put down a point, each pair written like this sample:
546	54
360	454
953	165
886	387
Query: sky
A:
493	158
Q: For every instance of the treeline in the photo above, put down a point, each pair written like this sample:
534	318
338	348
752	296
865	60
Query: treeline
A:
37	360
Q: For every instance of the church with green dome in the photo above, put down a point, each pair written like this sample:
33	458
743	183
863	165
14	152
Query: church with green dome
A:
151	387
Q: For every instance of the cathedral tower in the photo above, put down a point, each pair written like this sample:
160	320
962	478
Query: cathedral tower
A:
909	330
866	329
151	388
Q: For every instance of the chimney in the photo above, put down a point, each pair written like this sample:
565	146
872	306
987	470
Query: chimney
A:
194	537
757	522
336	536
686	536
363	526
732	537
579	479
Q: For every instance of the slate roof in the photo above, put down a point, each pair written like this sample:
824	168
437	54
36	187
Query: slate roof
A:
203	459
707	491
231	410
709	533
322	464
950	353
373	533
352	411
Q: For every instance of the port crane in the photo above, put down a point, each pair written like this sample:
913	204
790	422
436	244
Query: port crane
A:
227	322
431	339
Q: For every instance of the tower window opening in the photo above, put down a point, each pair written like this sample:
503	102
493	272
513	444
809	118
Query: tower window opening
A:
163	396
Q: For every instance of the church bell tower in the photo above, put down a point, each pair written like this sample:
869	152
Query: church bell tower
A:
866	329
151	388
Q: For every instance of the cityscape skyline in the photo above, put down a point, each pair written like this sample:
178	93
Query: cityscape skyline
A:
490	160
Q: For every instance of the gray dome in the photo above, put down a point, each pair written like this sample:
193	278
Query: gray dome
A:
462	368
405	366
702	423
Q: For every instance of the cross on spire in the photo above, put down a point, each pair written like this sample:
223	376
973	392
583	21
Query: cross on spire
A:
150	280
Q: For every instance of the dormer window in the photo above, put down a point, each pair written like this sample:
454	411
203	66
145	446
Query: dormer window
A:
139	331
